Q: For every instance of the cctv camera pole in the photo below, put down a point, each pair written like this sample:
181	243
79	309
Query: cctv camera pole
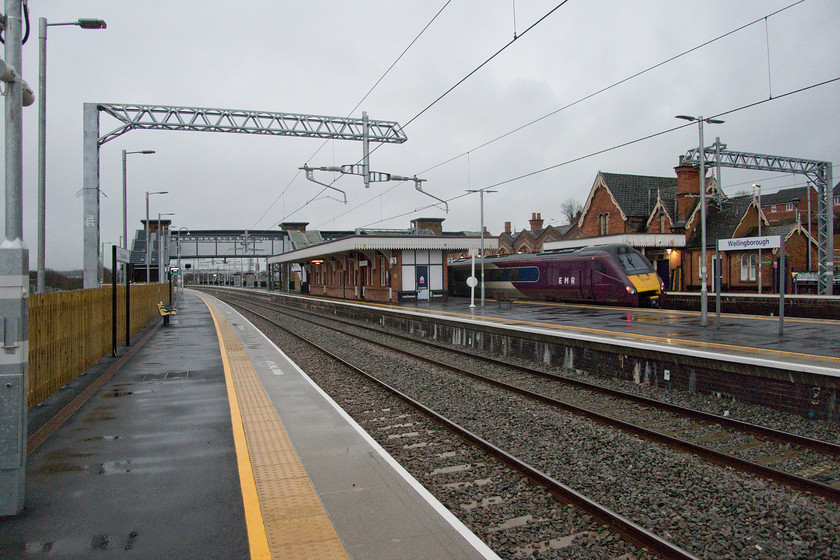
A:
14	281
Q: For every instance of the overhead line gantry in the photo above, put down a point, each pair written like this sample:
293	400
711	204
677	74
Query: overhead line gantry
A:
198	119
817	172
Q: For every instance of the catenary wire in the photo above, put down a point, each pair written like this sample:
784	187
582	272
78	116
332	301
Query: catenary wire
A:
459	82
617	146
581	100
366	95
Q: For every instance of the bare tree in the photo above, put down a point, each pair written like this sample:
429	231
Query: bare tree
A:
570	210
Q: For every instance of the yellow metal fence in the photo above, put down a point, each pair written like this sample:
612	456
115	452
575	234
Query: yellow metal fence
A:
71	331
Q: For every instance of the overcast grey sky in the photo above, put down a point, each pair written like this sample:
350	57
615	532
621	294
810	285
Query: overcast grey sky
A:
322	57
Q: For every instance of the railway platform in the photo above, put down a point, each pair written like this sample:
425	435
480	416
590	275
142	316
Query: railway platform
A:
805	345
208	442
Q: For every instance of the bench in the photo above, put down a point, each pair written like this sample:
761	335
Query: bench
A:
503	297
165	311
408	294
438	294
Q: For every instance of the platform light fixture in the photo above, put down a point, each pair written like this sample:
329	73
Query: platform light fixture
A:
125	192
481	196
148	252
162	247
757	196
85	23
704	291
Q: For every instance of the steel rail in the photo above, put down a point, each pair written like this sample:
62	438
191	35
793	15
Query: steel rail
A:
825	447
622	525
718	457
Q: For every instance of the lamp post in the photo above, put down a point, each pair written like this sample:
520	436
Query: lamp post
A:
42	142
125	191
481	196
704	291
148	249
161	248
180	270
757	189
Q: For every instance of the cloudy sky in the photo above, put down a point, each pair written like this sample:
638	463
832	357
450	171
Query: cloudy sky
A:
322	57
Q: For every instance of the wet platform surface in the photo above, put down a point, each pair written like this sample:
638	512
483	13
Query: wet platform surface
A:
146	468
152	465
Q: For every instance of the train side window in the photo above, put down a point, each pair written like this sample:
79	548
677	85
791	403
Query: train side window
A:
529	274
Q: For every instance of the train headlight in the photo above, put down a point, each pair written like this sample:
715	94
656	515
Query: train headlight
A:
630	290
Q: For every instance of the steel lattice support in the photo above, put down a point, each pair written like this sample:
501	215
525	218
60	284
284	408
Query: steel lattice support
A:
197	119
818	172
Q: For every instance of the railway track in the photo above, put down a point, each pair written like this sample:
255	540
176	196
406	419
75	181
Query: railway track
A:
537	441
806	464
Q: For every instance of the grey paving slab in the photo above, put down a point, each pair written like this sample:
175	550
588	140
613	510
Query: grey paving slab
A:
147	468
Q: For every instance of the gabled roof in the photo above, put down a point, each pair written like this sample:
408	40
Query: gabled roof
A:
637	195
721	223
783	196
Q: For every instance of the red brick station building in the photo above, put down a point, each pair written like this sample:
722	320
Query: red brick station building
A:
660	216
373	265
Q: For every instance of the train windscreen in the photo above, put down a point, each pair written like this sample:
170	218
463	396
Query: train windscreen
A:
634	263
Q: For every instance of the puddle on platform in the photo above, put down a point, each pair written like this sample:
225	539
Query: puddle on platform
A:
102	438
56	468
81	545
117	394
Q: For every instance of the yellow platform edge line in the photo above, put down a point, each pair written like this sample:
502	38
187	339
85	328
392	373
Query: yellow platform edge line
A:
254	522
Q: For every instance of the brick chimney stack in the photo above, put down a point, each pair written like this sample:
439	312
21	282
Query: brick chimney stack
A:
507	227
688	189
536	222
294	226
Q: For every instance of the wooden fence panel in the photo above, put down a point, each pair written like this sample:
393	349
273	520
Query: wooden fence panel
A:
71	331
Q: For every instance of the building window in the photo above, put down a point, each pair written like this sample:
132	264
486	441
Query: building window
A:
773	208
748	264
837	200
789	206
662	223
603	223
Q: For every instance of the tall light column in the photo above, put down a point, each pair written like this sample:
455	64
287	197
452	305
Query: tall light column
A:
42	131
757	189
481	197
161	246
148	241
125	190
180	270
704	290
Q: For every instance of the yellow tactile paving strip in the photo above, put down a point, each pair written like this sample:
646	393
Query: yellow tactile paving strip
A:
285	517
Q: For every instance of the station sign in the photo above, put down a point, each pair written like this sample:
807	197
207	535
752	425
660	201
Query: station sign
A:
750	243
123	255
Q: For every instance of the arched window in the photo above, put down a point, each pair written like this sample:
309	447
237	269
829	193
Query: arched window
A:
662	223
748	266
603	223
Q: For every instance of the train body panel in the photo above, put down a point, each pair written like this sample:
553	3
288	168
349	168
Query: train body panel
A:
608	274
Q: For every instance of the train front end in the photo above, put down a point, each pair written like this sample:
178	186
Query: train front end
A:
649	288
645	283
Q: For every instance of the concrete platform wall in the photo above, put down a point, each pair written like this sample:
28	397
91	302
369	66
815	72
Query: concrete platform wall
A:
790	391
